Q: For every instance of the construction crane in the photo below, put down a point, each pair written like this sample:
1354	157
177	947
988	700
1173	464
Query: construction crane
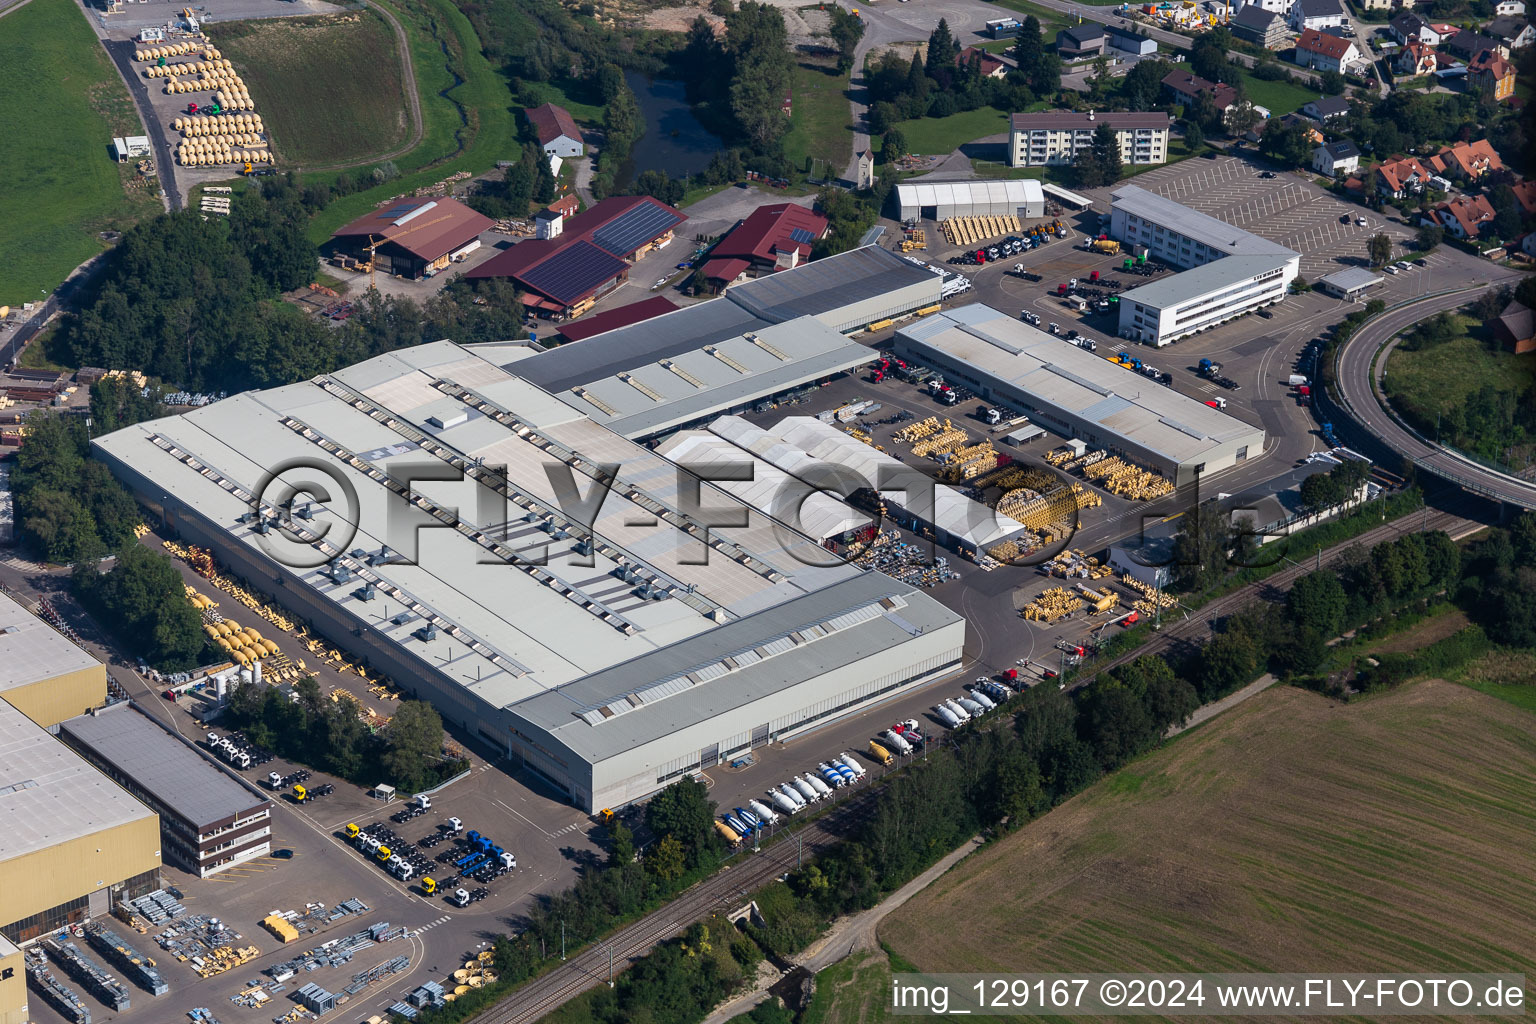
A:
373	251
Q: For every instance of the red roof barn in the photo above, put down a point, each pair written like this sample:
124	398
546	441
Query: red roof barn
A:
413	236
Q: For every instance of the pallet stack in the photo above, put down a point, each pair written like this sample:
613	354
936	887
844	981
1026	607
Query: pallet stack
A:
1052	604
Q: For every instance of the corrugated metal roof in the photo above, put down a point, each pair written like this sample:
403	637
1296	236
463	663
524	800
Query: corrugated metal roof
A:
815	289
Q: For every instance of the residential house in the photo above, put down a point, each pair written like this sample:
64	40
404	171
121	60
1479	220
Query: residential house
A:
1416	58
988	65
1315	14
1515	328
1335	158
1408	26
1323	52
1468	161
556	130
1313	133
1401	176
1186	88
1525	195
1260	27
1326	108
1463	217
1528	244
1491	75
1383	5
1467	44
1504	7
1513	30
1076	41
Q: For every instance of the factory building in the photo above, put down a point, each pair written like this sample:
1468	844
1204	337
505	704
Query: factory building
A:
595	613
763	338
209	820
1079	395
72	842
1228	271
1052	137
778	493
42	674
818	452
941	200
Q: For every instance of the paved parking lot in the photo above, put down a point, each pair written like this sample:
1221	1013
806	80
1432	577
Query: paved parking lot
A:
1290	209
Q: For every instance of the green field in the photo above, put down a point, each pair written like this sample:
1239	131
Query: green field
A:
820	119
1280	97
329	89
938	136
1393	834
853	991
469	128
61	104
1050	21
1427	384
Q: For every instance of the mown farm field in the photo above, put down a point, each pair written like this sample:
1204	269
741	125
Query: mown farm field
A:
330	89
61	103
1392	834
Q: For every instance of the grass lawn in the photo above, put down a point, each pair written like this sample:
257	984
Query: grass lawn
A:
1427	384
329	89
1390	834
820	119
580	98
469	128
1280	97
936	136
61	104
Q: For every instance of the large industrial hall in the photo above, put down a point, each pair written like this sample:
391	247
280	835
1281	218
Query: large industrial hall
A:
612	644
1080	395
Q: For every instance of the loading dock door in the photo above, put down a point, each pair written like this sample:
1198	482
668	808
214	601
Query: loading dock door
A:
760	736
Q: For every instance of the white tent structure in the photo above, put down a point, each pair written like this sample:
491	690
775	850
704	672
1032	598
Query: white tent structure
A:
941	200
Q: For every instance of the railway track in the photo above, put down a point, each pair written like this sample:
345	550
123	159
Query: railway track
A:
590	968
1198	625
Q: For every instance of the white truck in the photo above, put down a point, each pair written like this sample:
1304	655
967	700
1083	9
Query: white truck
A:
897	742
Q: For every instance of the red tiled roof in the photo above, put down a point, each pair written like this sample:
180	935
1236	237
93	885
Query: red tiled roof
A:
1333	47
1471	212
1525	194
428	229
767	232
550	122
613	319
1489	63
989	65
1186	84
1397	171
566	206
725	270
1474	158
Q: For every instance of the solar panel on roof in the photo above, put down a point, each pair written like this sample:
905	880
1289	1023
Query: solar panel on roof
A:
635	227
574	272
802	235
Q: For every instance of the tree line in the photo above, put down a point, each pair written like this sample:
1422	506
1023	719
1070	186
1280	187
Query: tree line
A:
312	729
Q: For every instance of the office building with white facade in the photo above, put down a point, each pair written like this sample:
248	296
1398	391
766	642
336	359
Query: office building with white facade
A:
1227	271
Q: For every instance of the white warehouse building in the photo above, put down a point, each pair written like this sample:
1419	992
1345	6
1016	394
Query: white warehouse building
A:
1023	198
1227	271
612	643
1080	395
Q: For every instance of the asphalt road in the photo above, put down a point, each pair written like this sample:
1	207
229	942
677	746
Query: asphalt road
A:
1360	369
